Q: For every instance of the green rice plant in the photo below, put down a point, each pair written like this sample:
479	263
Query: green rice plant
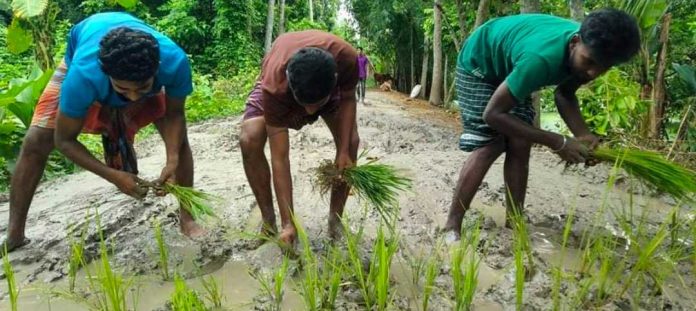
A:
198	203
12	289
432	269
213	291
380	267
522	248
465	270
279	280
558	272
378	184
77	257
184	298
322	275
163	251
265	281
693	246
654	170
353	240
111	287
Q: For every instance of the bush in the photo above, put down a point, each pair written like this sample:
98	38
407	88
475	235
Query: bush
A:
226	97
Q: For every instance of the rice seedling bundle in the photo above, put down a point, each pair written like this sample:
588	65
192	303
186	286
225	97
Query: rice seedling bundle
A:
376	183
654	170
198	203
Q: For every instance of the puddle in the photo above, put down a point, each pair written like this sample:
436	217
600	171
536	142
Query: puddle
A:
548	244
237	286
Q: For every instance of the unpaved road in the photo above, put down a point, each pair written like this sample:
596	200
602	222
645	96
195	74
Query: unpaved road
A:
408	134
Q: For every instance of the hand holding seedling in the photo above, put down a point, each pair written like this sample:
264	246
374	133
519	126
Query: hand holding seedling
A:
130	184
573	151
592	142
167	176
343	162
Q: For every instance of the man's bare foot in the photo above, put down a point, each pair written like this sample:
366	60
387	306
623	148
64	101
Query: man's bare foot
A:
451	235
12	244
191	229
335	229
287	239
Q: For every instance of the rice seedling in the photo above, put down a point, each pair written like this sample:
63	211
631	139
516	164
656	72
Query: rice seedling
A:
198	203
559	271
213	291
321	275
376	183
12	289
279	281
184	298
522	248
163	251
432	269
693	245
360	276
77	257
380	267
465	270
110	286
653	169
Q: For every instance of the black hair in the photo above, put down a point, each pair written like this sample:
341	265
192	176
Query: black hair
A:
311	74
129	54
611	35
360	48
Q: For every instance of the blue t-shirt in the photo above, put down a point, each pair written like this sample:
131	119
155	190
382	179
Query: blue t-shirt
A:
86	83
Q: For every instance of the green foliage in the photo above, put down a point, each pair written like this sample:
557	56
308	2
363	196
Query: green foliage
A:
18	38
611	104
220	98
28	8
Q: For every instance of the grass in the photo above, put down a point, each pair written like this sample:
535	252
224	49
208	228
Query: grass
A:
12	289
213	291
378	184
465	270
198	203
184	298
653	169
163	251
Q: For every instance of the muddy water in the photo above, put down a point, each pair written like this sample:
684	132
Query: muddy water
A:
407	134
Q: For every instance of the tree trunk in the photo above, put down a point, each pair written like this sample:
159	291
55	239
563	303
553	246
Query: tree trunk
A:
530	6
412	70
311	11
482	13
424	68
533	6
657	110
281	18
445	79
577	12
269	26
436	88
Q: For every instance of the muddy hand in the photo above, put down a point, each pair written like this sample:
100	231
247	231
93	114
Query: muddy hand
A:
591	141
167	176
574	151
130	184
343	161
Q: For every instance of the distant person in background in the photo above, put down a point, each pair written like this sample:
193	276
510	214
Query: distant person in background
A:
363	63
499	67
118	75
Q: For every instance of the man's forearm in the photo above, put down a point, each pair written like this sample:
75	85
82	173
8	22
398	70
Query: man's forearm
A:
175	130
569	109
347	121
510	126
282	180
77	153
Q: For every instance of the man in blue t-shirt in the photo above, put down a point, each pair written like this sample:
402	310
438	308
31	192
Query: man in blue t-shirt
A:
118	75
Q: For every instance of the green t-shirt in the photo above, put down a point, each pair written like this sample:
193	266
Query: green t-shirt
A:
528	51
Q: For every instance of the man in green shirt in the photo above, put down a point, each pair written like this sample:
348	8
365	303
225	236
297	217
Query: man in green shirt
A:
501	64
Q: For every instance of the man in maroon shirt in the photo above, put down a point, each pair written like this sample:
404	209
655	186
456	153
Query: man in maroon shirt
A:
305	75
